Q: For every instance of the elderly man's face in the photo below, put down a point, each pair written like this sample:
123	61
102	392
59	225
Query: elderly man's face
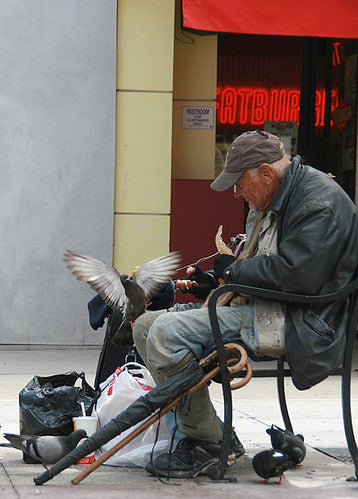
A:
258	187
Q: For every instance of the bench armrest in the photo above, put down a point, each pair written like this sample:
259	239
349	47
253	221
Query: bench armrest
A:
281	295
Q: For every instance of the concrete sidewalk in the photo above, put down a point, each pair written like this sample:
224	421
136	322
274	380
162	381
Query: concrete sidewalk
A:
315	413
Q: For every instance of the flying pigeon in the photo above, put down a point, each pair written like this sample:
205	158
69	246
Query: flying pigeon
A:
47	449
118	290
270	464
288	443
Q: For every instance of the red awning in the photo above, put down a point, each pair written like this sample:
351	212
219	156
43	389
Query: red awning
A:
325	18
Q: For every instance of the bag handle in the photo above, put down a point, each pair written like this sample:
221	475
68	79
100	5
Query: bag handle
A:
126	366
138	371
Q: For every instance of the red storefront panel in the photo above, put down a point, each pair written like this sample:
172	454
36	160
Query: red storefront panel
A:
328	18
197	212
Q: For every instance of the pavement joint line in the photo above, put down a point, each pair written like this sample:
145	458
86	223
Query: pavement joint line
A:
9	479
328	454
254	418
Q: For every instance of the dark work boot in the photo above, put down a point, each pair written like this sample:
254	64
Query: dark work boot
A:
191	458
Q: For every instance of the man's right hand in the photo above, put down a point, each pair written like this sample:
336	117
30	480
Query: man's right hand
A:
186	284
199	283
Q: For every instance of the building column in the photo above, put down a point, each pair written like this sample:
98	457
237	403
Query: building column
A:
196	211
145	40
195	77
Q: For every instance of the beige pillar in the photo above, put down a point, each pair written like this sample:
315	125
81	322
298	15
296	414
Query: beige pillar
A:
144	131
195	76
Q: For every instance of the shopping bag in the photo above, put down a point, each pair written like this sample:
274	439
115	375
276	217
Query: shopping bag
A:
123	387
48	403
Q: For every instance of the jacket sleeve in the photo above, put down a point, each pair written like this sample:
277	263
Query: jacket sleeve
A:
306	256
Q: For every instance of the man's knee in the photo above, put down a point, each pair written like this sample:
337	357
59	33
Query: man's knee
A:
142	325
165	348
159	334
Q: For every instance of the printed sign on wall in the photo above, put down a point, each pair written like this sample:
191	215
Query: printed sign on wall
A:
200	117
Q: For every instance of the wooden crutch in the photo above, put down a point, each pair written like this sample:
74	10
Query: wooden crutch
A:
234	366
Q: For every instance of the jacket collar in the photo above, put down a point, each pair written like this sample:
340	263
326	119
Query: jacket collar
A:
287	184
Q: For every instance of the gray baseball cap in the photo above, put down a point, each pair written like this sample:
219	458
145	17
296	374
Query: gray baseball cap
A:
249	150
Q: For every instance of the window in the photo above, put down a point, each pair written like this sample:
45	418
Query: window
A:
302	89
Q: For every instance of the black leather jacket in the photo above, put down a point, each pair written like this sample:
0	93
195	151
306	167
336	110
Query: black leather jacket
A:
317	253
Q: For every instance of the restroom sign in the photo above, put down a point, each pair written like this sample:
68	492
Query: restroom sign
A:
199	117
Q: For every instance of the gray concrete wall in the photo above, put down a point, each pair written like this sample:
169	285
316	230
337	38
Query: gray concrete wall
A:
57	144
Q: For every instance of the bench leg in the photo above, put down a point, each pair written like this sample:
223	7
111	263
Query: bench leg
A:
216	472
347	418
282	396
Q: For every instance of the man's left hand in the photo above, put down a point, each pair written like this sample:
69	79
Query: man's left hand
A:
221	262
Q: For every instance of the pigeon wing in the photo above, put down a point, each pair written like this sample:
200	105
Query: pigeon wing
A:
103	278
153	274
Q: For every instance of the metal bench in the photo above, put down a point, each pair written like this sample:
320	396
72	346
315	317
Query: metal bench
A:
280	372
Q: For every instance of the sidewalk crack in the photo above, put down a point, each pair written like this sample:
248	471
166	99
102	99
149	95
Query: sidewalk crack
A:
9	479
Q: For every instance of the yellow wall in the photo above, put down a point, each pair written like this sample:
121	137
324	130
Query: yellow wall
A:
160	69
195	68
144	130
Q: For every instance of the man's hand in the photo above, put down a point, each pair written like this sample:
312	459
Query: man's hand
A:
221	246
199	283
186	284
221	262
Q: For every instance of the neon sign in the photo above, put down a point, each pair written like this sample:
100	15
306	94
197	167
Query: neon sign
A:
242	106
337	54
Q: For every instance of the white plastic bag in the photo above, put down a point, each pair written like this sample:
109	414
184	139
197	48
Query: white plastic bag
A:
125	385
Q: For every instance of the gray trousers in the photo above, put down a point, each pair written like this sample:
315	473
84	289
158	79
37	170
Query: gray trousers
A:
168	340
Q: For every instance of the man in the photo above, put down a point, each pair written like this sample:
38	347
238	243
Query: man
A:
302	237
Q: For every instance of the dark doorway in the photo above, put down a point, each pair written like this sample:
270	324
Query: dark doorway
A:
331	64
303	89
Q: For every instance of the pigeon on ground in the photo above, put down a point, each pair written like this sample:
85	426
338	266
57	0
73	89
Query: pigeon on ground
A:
288	443
47	449
270	464
118	290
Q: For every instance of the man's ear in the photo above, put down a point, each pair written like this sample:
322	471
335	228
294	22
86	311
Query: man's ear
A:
266	171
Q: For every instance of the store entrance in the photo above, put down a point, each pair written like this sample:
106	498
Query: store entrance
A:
331	147
302	89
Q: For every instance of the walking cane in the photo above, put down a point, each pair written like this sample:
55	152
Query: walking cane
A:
208	377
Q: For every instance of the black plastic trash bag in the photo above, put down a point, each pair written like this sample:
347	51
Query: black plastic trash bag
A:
48	403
